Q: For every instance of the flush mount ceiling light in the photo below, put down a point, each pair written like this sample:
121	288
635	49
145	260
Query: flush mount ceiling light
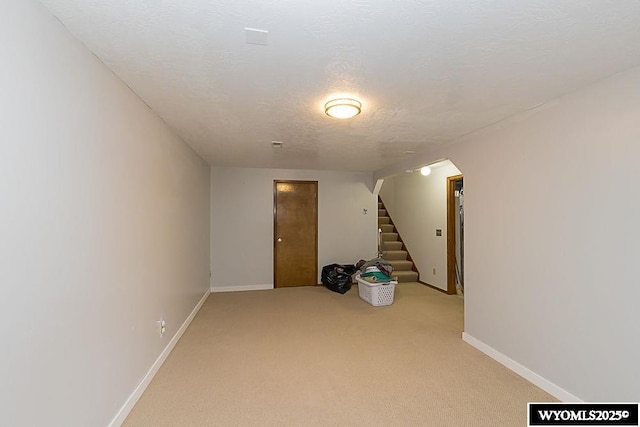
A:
343	108
425	170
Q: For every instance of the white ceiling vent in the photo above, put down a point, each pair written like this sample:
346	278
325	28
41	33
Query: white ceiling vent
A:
255	36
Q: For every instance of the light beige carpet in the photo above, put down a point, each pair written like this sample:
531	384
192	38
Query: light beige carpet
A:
311	357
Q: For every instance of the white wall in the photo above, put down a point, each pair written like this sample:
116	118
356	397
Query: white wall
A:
551	239
242	222
418	206
104	220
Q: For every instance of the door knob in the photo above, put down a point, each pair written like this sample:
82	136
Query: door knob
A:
279	239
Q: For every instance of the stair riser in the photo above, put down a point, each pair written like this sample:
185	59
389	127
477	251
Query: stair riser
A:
391	246
389	237
405	276
402	265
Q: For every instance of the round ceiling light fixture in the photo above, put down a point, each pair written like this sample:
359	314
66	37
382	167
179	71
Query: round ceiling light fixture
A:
425	170
343	108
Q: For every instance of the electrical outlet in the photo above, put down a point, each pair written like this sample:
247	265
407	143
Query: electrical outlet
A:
434	271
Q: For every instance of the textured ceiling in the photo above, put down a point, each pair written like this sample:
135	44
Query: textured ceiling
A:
426	71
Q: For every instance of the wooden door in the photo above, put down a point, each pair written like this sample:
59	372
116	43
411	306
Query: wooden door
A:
295	238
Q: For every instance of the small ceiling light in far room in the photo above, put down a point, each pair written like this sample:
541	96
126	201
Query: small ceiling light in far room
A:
425	170
343	108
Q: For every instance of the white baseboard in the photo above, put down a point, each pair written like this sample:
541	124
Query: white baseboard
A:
524	372
137	393
241	288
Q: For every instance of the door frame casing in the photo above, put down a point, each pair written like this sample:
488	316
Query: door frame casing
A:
275	228
451	233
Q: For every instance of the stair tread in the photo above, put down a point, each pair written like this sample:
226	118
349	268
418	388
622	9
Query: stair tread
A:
394	255
391	245
386	228
400	265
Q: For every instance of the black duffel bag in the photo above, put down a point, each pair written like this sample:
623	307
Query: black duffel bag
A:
337	277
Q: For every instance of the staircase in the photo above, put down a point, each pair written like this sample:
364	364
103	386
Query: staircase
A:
393	249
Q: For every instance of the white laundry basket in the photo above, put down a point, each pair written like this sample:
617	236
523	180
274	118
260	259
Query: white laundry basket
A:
376	294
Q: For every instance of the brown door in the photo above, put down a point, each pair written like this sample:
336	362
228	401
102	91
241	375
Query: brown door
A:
295	237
